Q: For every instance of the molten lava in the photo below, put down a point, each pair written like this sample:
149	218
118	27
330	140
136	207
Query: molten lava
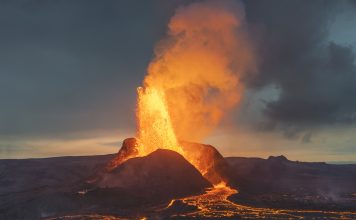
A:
154	122
156	130
193	81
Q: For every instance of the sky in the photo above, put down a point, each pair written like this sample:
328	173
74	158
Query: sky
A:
69	72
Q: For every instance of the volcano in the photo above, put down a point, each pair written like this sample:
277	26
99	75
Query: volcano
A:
163	184
207	159
163	173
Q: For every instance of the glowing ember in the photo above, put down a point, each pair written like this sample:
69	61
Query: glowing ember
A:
155	124
156	130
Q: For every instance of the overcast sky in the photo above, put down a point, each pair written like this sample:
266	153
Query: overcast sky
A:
69	72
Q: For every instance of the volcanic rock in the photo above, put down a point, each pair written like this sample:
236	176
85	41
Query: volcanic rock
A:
207	159
44	188
39	188
280	158
162	173
128	150
281	183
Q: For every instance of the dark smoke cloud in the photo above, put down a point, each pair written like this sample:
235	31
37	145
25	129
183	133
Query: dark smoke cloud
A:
69	66
316	77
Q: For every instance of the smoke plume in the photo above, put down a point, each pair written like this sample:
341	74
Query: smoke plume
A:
198	67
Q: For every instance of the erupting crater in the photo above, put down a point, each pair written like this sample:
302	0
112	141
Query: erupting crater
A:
193	81
205	158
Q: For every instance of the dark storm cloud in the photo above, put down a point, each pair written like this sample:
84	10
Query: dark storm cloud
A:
74	65
316	77
69	66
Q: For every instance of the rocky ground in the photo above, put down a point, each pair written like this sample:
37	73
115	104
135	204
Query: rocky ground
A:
280	183
145	186
40	188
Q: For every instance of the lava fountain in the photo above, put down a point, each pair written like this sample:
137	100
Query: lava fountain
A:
155	128
194	79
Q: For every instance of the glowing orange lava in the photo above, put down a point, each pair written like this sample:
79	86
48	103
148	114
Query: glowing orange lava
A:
155	126
194	79
154	122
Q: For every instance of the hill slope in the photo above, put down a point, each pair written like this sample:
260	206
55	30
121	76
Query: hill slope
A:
38	188
278	182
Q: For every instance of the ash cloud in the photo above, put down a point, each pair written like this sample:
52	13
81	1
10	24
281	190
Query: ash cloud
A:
69	66
316	76
199	65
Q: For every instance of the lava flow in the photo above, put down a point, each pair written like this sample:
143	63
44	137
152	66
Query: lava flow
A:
215	204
